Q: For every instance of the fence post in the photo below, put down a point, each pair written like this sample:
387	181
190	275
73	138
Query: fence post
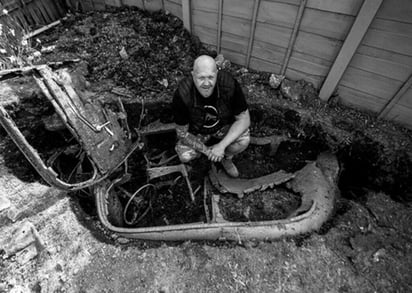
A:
389	105
219	26
186	12
293	36
252	31
357	32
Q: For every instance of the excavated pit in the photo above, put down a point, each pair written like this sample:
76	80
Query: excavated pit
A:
363	161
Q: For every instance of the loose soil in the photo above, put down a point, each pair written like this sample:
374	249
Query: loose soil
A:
365	247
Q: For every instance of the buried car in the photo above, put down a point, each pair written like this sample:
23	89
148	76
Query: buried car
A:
105	143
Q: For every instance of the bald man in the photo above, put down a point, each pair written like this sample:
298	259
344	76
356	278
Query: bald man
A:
210	103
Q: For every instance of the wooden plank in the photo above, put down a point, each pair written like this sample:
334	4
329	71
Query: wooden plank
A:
406	99
35	13
269	52
395	99
389	41
207	6
18	15
324	23
290	2
252	32
386	55
53	10
43	10
357	32
233	56
278	13
236	8
360	100
134	3
153	5
174	8
318	46
401	115
263	65
370	82
40	30
272	34
391	26
29	15
178	2
205	19
293	36
59	8
205	34
234	43
294	74
350	7
398	10
309	64
236	26
382	67
186	14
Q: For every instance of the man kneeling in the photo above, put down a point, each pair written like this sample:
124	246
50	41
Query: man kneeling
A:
209	104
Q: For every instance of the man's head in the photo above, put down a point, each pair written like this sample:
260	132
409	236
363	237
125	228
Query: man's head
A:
204	75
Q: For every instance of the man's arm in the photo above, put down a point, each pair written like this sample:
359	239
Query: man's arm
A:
242	122
191	140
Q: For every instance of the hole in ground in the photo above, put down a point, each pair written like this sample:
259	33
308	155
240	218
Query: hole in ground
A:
366	164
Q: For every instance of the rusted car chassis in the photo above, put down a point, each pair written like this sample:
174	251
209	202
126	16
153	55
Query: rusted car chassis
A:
105	137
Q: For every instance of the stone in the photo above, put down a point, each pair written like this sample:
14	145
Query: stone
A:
4	203
24	236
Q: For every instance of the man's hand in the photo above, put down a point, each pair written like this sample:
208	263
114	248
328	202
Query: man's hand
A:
216	153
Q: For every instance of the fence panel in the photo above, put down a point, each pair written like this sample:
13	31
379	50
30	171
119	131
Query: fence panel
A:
301	38
32	14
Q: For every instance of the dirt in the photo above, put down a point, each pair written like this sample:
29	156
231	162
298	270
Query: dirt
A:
365	247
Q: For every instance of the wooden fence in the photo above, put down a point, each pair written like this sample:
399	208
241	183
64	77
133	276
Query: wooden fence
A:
359	49
32	14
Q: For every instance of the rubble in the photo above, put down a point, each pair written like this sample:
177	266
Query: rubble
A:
222	63
4	203
275	80
24	236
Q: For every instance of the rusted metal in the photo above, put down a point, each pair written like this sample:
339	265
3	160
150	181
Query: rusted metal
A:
165	170
315	182
96	129
239	186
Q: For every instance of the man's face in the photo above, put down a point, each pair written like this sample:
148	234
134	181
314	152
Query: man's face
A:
205	80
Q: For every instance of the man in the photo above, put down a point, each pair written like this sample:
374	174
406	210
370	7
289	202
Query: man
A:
208	104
